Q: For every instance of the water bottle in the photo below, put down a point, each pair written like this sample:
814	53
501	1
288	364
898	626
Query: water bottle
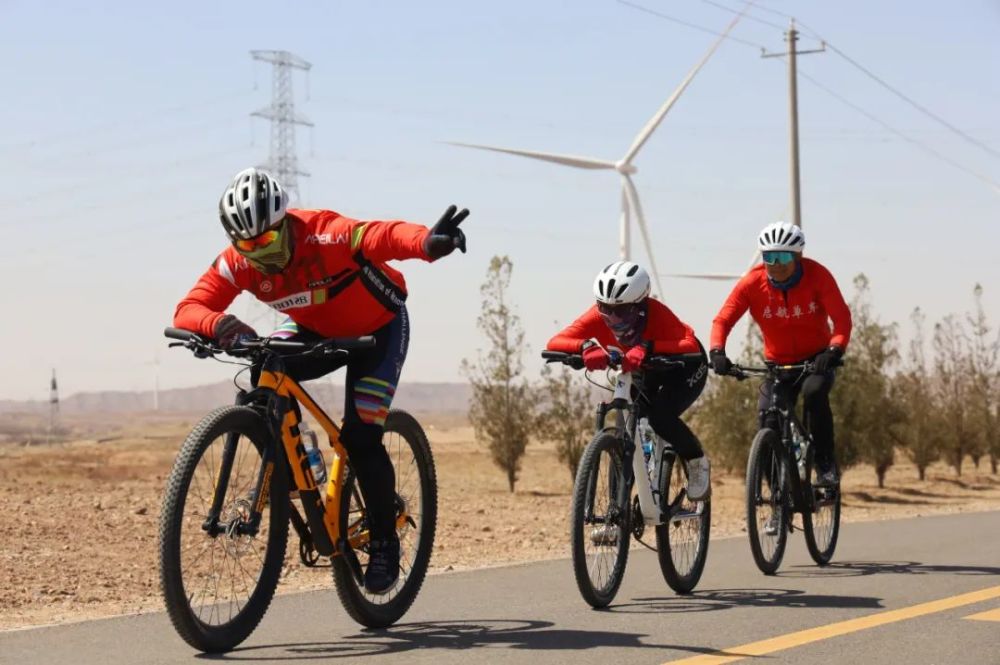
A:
315	455
799	446
646	439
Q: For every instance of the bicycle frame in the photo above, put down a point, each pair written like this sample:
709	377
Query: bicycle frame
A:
282	392
634	465
787	419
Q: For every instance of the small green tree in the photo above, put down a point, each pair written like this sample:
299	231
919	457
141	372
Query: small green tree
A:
984	365
502	405
952	389
567	415
864	410
919	432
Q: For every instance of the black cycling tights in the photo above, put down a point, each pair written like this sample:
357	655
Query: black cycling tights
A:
670	393
818	417
372	375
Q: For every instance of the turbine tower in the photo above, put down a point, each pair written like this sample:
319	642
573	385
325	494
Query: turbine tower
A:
624	166
53	406
283	162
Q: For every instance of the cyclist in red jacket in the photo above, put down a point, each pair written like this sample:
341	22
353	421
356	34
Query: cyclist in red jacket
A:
793	300
627	321
328	274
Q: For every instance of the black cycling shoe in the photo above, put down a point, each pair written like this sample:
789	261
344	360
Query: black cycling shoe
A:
383	565
826	474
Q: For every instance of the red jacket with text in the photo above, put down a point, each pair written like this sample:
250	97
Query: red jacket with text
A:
795	323
337	283
669	334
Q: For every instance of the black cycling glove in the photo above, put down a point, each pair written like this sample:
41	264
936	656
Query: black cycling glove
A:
445	236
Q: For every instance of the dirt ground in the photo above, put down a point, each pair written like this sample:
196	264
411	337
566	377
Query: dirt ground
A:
78	521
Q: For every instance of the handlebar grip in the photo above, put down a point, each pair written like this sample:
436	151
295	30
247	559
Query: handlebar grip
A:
364	342
179	333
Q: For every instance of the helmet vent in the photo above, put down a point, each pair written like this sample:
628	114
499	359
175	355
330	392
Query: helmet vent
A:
611	287
633	270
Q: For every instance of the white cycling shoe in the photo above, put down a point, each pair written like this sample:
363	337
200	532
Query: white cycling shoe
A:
699	478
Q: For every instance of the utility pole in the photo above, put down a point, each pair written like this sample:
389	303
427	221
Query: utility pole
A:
791	37
283	162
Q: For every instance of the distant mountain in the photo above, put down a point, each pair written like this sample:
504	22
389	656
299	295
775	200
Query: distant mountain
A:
437	398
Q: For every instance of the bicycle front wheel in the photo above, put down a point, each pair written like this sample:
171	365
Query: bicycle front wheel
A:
416	489
218	579
820	520
599	527
765	502
682	540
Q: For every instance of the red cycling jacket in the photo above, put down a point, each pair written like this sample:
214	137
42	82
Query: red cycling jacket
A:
337	283
795	323
669	334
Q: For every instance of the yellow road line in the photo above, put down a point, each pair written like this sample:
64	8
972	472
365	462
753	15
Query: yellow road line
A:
809	635
988	615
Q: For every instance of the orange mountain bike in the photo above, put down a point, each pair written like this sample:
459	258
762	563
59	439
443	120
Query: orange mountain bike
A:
224	521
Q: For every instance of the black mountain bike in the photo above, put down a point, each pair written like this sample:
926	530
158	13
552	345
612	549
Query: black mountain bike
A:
781	478
604	511
227	504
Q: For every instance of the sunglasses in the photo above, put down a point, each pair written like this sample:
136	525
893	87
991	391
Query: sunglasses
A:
614	310
263	241
784	258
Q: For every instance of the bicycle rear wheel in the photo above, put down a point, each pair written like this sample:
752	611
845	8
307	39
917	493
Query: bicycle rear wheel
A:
599	528
416	487
682	540
217	584
765	501
820	520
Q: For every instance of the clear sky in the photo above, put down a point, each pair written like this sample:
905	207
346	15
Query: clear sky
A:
122	123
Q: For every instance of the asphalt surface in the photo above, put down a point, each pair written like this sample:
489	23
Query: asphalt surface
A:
872	605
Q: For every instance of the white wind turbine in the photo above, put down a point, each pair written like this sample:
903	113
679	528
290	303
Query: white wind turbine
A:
624	166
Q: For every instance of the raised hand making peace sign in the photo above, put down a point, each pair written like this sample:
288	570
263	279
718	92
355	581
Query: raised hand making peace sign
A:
445	236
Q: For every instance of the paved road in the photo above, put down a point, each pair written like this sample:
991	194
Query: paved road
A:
899	592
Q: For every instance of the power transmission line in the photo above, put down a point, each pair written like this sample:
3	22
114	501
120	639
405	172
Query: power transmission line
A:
875	77
116	125
923	146
749	17
687	24
929	150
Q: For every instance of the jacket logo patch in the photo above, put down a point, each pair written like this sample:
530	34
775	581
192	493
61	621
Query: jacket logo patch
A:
327	239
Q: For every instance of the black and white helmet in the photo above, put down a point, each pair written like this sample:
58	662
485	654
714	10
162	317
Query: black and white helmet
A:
253	203
781	237
621	282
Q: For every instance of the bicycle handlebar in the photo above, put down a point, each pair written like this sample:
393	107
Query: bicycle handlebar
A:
741	373
575	360
206	346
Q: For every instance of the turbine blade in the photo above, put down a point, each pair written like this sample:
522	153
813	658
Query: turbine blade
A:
633	199
718	276
565	160
713	276
655	121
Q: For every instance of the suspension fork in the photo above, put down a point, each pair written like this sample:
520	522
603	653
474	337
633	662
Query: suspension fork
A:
221	486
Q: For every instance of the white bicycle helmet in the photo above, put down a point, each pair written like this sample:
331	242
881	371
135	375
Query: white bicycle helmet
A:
781	237
621	282
253	203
